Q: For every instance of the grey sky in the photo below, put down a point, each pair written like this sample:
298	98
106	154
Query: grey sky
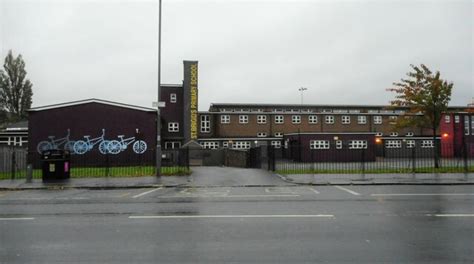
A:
345	52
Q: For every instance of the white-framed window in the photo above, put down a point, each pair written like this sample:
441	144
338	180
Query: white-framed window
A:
313	119
205	124
329	119
447	119
261	119
410	134
466	125
225	144
358	144
279	119
456	119
210	144
243	119
345	120
378	120
225	119
173	98
393	134
472	125
319	144
410	143
261	134
378	134
172	145
296	119
241	145
361	120
276	144
427	144
173	127
393	119
338	144
278	134
393	144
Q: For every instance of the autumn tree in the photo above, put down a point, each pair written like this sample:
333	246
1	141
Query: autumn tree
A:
15	90
425	96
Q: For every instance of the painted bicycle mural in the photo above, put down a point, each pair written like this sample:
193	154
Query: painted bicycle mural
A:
87	144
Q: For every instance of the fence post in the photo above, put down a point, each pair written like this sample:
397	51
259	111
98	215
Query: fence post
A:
464	155
13	164
107	165
363	163
29	173
413	159
187	158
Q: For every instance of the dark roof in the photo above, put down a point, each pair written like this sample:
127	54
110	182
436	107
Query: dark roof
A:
93	100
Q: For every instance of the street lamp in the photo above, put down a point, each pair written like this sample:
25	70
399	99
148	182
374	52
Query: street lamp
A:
302	89
158	118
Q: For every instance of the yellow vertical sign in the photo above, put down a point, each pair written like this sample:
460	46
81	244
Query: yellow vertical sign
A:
194	101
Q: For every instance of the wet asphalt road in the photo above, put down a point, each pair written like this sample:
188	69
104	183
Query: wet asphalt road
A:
288	224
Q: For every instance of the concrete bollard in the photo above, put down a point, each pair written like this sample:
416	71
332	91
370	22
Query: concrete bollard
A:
29	173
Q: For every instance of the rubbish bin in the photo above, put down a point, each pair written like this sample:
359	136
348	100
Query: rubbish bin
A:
55	165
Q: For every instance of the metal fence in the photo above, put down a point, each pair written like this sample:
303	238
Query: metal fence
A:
442	158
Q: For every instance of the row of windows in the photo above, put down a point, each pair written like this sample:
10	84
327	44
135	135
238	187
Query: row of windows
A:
281	110
233	145
325	144
312	119
408	143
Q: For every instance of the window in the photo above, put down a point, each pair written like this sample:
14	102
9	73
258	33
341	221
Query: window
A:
393	119
278	134
338	144
427	144
447	119
358	144
472	125
361	120
329	119
173	98
393	144
225	144
378	134
173	127
276	144
346	120
296	119
261	119
456	119
241	145
243	119
279	119
409	134
205	124
261	134
466	125
312	119
172	145
210	144
411	143
377	120
393	134
225	119
319	144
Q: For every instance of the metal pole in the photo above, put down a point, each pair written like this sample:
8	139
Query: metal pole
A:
158	118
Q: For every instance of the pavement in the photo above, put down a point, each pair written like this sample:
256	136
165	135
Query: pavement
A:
238	177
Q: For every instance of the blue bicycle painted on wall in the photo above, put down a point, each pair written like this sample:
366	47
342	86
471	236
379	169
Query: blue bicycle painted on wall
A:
117	146
84	146
61	143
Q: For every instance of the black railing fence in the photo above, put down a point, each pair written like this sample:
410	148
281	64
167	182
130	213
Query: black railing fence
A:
374	159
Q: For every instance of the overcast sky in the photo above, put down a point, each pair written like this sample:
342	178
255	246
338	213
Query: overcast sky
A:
344	52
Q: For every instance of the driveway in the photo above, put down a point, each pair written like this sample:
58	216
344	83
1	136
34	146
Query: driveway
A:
229	177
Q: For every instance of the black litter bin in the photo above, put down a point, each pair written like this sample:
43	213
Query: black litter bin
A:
56	165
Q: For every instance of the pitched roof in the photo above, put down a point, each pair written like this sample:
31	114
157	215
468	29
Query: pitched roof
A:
93	100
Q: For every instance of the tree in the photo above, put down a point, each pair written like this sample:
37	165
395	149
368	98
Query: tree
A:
15	90
426	97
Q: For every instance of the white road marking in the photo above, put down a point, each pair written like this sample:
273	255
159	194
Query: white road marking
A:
227	216
347	190
230	196
421	194
278	190
313	190
451	215
17	219
147	192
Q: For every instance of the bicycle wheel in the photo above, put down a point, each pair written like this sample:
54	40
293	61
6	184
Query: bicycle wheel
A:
69	146
114	147
44	146
80	147
103	147
139	147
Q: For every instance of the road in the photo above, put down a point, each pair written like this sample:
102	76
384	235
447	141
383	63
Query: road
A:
288	224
